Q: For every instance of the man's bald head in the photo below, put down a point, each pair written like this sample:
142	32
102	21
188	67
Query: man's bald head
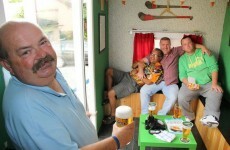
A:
7	30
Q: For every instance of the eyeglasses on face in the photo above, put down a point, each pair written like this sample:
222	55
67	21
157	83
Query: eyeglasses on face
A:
155	55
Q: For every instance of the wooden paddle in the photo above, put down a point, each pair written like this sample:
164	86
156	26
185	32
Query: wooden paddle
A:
146	17
149	5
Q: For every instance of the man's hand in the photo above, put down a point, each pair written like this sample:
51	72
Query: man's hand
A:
206	51
124	134
89	114
141	74
217	88
141	66
203	49
193	87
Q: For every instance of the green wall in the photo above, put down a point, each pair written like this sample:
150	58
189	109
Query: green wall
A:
101	60
224	57
224	77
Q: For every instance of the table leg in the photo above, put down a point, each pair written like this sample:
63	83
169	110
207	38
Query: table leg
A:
142	147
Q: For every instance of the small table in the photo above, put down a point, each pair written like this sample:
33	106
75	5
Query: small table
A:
146	139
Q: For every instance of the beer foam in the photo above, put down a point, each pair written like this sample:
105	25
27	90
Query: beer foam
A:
124	112
187	125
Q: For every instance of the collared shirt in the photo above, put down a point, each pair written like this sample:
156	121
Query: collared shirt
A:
170	65
153	72
40	118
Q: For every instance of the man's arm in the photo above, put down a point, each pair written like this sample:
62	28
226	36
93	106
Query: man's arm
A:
213	68
185	81
184	77
140	65
123	134
204	49
215	85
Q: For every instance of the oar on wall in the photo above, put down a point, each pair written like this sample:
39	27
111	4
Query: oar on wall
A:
146	17
150	5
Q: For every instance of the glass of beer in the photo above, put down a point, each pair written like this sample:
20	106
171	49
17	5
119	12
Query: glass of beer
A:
151	108
124	115
186	126
177	112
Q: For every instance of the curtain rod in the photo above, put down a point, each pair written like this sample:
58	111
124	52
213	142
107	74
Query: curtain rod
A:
163	31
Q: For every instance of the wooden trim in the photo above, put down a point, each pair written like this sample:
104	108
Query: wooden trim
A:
212	137
133	101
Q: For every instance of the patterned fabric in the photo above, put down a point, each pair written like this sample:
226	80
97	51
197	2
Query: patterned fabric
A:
153	72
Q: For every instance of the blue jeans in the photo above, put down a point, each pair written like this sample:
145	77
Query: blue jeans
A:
170	92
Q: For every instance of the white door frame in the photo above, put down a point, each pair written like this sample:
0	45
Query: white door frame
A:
91	72
89	101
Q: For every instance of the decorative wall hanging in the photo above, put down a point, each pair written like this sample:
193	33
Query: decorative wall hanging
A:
182	2
167	9
102	33
123	2
212	3
102	2
150	5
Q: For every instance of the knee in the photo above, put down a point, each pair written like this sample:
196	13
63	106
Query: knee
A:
111	94
142	90
183	99
171	97
109	72
180	100
181	96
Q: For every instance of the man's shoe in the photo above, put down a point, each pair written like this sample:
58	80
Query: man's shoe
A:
109	120
190	120
210	121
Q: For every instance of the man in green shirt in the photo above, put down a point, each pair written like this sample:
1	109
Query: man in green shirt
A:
199	75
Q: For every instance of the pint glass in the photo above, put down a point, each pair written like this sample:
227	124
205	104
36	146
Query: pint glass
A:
187	126
124	116
177	112
151	108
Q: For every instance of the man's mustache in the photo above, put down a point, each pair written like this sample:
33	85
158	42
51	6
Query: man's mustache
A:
41	62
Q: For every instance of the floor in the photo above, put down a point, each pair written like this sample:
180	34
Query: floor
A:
106	130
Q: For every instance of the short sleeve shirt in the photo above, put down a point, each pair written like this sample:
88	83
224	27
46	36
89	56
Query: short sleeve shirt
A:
40	118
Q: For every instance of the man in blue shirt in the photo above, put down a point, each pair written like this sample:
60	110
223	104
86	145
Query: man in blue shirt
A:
39	108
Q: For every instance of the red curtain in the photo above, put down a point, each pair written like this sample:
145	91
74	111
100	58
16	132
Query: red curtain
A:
143	45
196	38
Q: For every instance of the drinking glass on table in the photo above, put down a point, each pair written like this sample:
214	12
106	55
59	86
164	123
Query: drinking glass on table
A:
151	108
177	112
186	126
